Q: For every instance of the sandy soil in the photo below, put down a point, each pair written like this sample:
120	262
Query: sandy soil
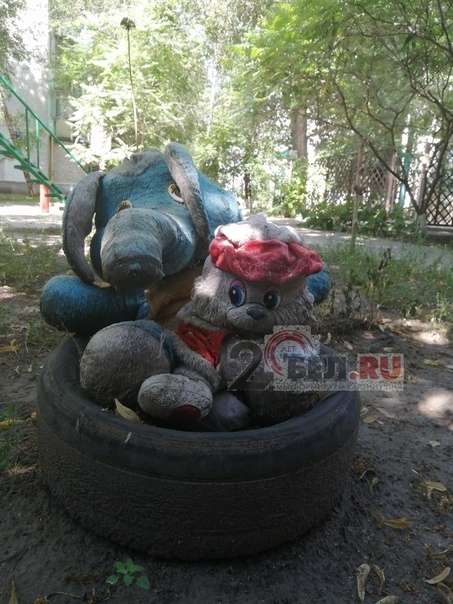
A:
395	513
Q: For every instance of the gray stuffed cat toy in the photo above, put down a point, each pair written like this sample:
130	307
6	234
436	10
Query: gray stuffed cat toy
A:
253	281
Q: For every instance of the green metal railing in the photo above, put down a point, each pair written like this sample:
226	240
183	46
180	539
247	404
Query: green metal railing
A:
33	124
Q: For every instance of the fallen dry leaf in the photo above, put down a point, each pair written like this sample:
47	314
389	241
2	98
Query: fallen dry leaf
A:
378	517
440	555
127	413
362	574
13	596
370	418
434	363
396	331
395	523
439	578
13	347
328	338
445	593
373	483
347	345
8	423
389	600
380	573
433	486
430	485
367	471
400	523
434	443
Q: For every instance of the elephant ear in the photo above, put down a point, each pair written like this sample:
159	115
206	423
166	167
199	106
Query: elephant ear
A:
77	224
185	174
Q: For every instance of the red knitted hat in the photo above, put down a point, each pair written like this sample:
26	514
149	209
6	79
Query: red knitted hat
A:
270	260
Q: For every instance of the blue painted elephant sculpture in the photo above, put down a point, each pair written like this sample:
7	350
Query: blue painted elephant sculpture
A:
154	216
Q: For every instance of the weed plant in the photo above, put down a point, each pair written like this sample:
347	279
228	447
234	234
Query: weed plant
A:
407	284
373	221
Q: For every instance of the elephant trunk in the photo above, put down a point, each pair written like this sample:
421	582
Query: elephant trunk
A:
140	246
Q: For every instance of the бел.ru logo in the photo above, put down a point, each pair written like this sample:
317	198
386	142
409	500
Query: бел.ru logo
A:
291	359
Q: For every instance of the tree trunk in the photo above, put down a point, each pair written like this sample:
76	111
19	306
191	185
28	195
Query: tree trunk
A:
299	132
420	224
421	202
358	189
389	197
248	191
10	126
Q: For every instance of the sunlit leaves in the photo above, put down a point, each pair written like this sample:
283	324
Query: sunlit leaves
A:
371	68
167	73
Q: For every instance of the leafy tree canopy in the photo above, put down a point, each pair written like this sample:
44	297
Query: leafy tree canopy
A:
367	67
12	46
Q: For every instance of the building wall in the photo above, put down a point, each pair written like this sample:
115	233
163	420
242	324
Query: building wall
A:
32	81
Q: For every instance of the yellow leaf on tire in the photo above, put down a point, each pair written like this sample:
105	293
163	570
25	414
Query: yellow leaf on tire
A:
401	523
127	413
362	574
445	592
439	578
380	573
13	596
433	486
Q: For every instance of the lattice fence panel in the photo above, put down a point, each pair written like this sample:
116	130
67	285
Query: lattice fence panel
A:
341	176
440	211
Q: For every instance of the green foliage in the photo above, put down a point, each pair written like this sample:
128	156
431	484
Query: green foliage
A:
130	573
19	126
41	335
407	284
443	309
372	220
372	70
24	266
292	198
168	76
4	310
12	47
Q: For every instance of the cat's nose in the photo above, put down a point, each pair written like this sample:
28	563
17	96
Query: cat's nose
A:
256	312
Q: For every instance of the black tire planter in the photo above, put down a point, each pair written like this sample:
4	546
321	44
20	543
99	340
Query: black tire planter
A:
189	495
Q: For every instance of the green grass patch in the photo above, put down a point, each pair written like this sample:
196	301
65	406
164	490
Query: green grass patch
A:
41	336
12	198
27	267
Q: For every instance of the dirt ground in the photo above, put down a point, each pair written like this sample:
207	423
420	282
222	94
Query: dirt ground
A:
395	513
